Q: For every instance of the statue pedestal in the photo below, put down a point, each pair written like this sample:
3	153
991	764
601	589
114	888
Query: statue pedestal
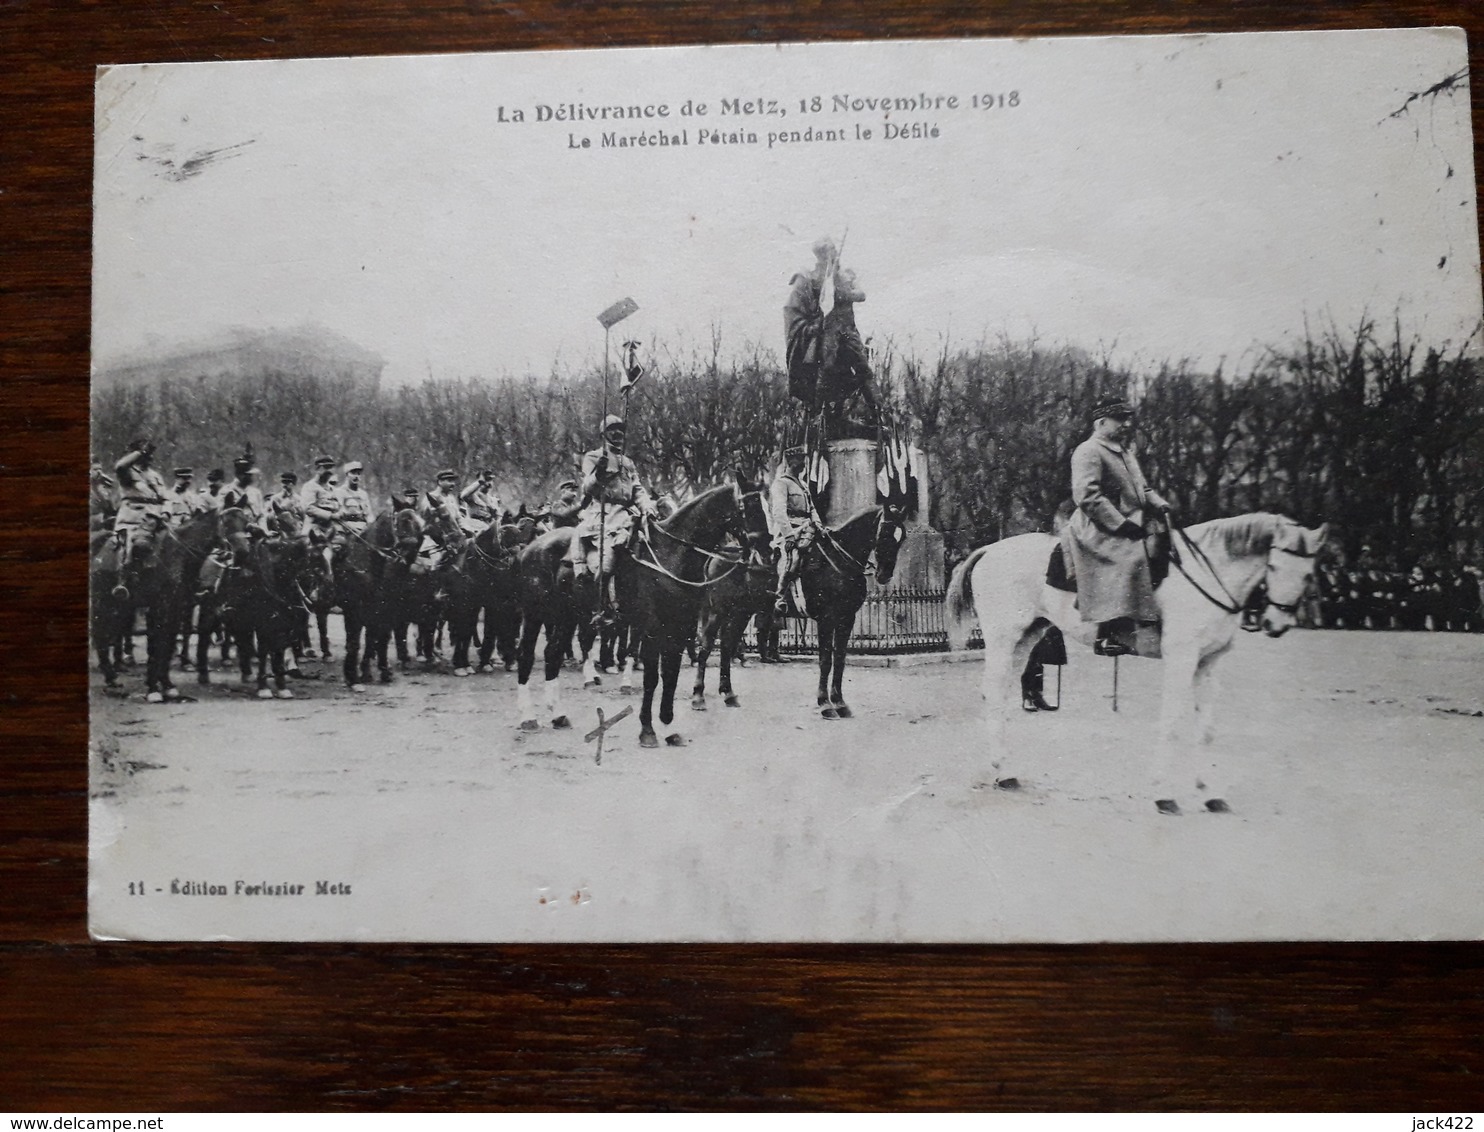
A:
852	484
852	488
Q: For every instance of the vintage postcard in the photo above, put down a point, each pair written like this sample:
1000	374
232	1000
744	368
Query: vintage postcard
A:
916	491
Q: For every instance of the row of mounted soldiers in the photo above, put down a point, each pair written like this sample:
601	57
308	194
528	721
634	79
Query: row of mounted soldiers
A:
136	501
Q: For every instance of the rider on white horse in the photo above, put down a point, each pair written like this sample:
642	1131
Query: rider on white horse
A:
1116	508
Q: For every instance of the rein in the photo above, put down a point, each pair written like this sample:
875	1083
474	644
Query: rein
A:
830	540
1231	605
371	546
185	546
499	563
1234	607
677	539
732	564
658	567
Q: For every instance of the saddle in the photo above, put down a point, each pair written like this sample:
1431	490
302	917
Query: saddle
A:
619	529
1157	546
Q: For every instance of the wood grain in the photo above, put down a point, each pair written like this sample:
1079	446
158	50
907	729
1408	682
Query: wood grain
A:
271	1027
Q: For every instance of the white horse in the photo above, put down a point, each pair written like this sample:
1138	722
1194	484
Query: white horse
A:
1200	607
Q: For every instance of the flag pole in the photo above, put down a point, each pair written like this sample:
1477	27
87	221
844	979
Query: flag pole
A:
609	318
602	504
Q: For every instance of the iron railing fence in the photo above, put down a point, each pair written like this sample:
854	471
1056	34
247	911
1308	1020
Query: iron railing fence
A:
894	621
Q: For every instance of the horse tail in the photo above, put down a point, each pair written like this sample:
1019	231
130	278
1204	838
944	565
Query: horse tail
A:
959	602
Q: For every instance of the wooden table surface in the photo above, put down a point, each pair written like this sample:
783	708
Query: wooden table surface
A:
145	1027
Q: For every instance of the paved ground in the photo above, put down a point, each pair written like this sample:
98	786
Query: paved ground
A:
1354	763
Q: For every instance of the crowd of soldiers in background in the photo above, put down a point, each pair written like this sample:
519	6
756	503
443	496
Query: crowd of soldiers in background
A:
1440	597
327	498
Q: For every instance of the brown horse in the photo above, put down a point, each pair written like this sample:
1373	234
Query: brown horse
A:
159	578
485	583
371	587
739	593
662	584
659	589
833	578
260	599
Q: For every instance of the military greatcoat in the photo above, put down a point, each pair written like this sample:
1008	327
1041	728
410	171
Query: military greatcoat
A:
1112	570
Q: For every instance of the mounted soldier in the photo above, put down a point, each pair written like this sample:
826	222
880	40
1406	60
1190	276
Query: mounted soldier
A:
211	499
794	519
320	505
142	503
286	513
481	503
243	492
354	513
612	495
1116	510
566	511
102	505
443	510
182	501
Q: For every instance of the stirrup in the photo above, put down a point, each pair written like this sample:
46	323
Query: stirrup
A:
1105	646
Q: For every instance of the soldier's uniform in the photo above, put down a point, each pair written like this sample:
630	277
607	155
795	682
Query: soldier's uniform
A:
442	508
246	497
320	501
182	501
1105	537
211	499
565	512
613	494
355	501
102	506
481	503
794	519
142	511
285	512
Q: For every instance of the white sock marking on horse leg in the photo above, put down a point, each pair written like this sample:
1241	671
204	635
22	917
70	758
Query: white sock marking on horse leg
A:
628	672
525	706
554	696
589	670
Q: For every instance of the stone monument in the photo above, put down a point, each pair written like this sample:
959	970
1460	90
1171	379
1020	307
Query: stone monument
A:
852	487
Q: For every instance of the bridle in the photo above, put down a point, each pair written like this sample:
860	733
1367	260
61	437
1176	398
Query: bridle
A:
1278	605
734	527
888	515
1231	605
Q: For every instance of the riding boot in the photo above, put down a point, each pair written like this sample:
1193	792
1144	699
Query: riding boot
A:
607	615
1106	643
790	572
1032	684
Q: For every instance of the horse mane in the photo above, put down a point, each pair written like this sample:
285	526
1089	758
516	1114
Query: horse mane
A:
691	505
1240	536
855	517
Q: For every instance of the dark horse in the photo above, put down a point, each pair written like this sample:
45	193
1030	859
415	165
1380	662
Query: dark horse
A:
260	599
740	590
483	580
371	582
159	578
659	586
662	584
833	578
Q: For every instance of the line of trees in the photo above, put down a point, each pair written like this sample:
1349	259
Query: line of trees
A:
1378	433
